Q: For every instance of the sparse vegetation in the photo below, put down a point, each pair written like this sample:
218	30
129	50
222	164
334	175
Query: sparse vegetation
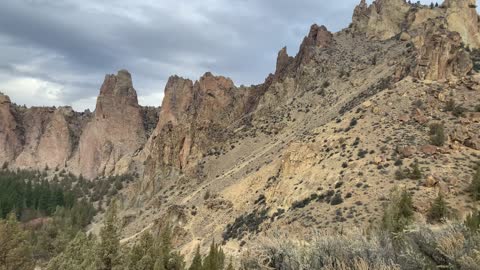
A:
449	247
473	221
413	172
457	110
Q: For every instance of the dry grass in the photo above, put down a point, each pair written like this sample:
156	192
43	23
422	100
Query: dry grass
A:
451	246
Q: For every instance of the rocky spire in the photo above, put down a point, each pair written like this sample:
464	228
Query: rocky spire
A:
116	131
116	92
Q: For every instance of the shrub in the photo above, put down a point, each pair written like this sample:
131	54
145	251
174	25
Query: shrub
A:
416	173
337	199
398	213
446	247
437	134
401	174
473	221
477	108
438	210
450	105
353	122
475	185
457	110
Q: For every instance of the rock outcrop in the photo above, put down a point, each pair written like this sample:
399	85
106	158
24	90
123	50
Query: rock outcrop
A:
381	20
440	53
318	37
116	131
385	19
462	17
48	141
100	144
194	121
10	139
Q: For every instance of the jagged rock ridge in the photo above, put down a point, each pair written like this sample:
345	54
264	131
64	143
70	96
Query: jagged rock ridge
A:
334	121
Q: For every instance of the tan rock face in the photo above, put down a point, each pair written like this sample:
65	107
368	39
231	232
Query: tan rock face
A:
115	132
318	37
381	20
194	119
47	138
385	19
462	17
10	143
441	55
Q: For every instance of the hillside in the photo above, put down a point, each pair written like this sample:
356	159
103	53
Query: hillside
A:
317	147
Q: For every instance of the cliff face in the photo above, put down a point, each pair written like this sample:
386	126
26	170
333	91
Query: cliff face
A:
10	143
384	19
343	112
92	145
116	131
195	120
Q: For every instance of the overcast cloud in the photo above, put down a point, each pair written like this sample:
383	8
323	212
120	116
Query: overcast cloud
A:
57	52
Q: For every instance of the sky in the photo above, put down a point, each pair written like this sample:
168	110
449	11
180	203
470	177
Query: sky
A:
57	52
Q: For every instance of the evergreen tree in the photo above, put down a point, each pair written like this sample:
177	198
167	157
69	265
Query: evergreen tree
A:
473	221
416	173
399	212
108	250
438	210
197	260
77	256
475	185
15	250
215	259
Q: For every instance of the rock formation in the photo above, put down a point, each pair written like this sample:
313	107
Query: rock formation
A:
462	17
10	139
441	55
381	20
330	126
116	131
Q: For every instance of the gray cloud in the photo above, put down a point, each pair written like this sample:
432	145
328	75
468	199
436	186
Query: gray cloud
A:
57	52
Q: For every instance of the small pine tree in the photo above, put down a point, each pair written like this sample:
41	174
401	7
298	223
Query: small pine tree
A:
438	210
437	134
197	260
215	259
416	173
398	213
473	221
108	252
15	250
475	185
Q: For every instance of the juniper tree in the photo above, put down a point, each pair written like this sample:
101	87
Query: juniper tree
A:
108	251
15	250
438	209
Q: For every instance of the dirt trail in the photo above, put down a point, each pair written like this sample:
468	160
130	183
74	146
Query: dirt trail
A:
132	237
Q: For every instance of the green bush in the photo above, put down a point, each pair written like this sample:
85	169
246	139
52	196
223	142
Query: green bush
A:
457	110
473	221
437	134
450	105
398	213
475	185
438	210
413	173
